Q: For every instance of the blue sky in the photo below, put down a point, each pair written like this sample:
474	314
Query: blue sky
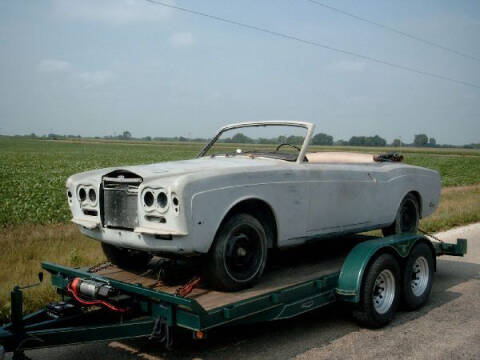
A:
99	67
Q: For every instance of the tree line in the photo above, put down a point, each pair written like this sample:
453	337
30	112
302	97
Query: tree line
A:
419	140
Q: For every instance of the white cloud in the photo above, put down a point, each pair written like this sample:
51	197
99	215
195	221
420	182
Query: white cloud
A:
53	65
91	79
181	40
111	11
349	66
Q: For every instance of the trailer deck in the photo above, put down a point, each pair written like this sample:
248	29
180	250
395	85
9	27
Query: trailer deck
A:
208	299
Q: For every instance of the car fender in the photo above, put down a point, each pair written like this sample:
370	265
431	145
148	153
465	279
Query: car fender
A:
207	223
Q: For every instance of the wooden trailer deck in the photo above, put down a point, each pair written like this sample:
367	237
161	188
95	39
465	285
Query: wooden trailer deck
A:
294	266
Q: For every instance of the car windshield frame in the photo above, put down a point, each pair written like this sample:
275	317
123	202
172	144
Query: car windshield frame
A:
306	141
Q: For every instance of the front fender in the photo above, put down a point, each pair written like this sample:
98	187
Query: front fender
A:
353	269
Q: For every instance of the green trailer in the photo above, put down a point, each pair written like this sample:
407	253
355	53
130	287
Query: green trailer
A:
103	303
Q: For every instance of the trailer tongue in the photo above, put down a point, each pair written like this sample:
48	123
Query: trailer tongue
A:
107	303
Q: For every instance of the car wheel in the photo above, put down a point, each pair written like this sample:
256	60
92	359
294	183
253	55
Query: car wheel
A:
407	219
238	255
126	258
418	277
379	294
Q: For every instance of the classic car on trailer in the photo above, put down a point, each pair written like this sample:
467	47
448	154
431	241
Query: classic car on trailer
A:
231	207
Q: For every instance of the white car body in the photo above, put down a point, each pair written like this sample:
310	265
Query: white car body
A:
327	196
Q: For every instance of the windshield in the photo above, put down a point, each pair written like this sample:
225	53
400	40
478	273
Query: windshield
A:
284	141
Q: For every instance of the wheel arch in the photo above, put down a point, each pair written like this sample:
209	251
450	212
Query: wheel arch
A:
362	255
261	210
417	196
419	201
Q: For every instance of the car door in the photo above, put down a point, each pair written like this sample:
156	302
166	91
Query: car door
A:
342	197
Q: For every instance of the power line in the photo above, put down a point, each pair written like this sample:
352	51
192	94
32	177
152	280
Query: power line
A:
400	32
313	43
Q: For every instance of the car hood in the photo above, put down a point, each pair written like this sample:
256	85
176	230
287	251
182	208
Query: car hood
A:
182	167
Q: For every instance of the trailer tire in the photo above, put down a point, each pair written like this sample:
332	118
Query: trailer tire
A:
238	255
417	277
407	218
380	292
126	258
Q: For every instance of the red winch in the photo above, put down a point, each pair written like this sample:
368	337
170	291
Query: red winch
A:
96	292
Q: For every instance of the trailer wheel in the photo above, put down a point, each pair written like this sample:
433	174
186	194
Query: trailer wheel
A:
126	258
407	219
238	255
379	296
418	277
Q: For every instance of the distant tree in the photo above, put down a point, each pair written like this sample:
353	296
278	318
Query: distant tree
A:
265	141
375	141
55	136
33	135
240	139
281	139
322	139
397	143
147	138
367	141
357	141
432	142
127	135
420	140
341	143
181	138
295	140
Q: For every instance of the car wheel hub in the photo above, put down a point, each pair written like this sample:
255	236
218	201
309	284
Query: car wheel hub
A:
420	276
384	291
243	253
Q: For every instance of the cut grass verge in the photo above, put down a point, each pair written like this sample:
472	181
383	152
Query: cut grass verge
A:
26	246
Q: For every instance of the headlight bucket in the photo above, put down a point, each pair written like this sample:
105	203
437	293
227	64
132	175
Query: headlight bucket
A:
82	194
156	199
162	200
148	199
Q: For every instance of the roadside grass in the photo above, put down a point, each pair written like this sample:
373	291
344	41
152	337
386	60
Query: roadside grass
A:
24	247
33	172
458	206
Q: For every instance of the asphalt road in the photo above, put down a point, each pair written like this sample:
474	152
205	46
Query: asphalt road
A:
448	327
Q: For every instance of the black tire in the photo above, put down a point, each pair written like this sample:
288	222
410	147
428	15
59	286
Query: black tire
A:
407	219
238	255
417	277
126	258
371	311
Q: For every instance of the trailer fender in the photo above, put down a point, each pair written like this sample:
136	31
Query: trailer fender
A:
356	263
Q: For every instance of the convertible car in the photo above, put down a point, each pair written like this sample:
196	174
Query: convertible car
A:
230	207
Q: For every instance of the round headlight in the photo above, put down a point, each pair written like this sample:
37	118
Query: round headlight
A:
92	195
162	200
148	198
82	194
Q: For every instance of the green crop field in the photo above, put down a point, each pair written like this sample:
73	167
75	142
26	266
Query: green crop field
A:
34	172
34	213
